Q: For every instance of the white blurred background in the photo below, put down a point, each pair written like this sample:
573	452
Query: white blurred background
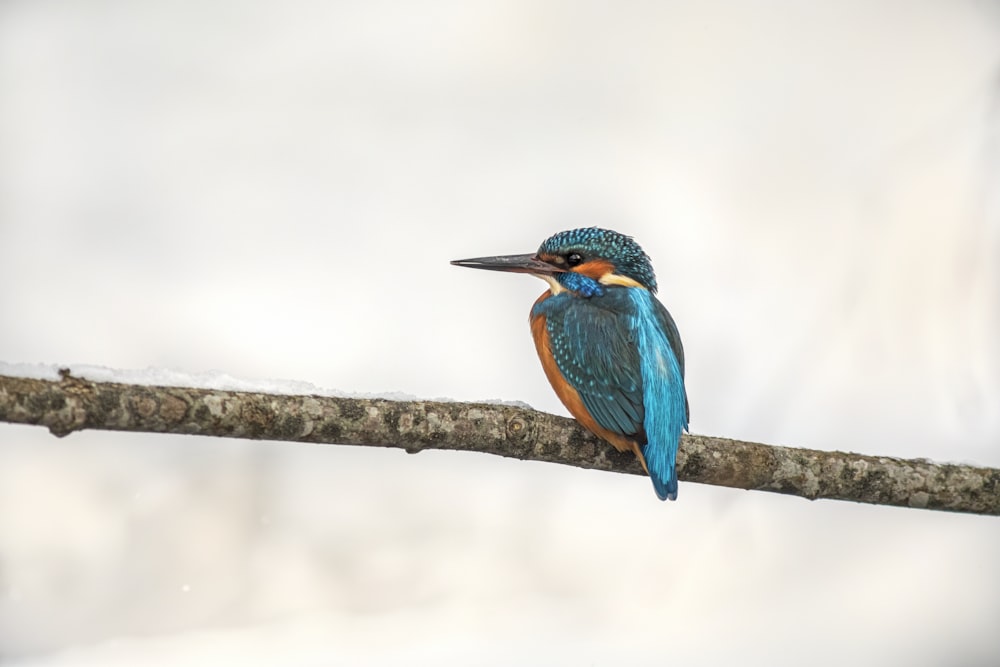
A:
274	190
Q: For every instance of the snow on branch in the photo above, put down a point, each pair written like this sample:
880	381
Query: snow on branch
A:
72	404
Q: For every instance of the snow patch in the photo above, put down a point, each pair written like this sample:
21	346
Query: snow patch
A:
164	377
214	379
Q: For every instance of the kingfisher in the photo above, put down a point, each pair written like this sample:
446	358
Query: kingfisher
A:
608	347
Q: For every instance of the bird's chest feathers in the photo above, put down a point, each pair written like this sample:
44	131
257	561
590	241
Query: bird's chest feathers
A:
612	316
560	317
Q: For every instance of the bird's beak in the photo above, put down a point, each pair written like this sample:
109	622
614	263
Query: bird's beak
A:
512	263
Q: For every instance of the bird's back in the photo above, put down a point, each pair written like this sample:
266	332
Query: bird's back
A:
616	362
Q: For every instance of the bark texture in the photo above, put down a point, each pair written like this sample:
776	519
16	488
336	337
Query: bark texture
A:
74	404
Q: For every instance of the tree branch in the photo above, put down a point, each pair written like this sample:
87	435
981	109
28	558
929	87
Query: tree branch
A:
74	404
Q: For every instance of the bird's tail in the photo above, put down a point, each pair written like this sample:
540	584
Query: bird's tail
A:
664	481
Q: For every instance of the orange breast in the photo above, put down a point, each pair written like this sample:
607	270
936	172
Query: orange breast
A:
568	395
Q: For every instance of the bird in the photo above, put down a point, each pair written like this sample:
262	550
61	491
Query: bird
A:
608	347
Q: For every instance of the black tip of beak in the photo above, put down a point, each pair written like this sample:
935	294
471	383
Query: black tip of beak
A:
510	263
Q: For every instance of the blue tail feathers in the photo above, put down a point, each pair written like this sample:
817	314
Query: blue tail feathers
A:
665	486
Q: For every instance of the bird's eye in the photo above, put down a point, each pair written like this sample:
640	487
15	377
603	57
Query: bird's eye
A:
573	258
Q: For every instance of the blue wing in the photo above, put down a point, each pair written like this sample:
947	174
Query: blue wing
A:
595	351
622	353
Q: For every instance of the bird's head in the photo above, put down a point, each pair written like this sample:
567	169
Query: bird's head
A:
606	256
579	260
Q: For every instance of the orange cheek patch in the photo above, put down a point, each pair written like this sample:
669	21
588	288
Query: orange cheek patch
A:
595	268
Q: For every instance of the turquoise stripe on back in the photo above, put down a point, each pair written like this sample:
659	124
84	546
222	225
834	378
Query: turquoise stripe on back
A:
663	394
